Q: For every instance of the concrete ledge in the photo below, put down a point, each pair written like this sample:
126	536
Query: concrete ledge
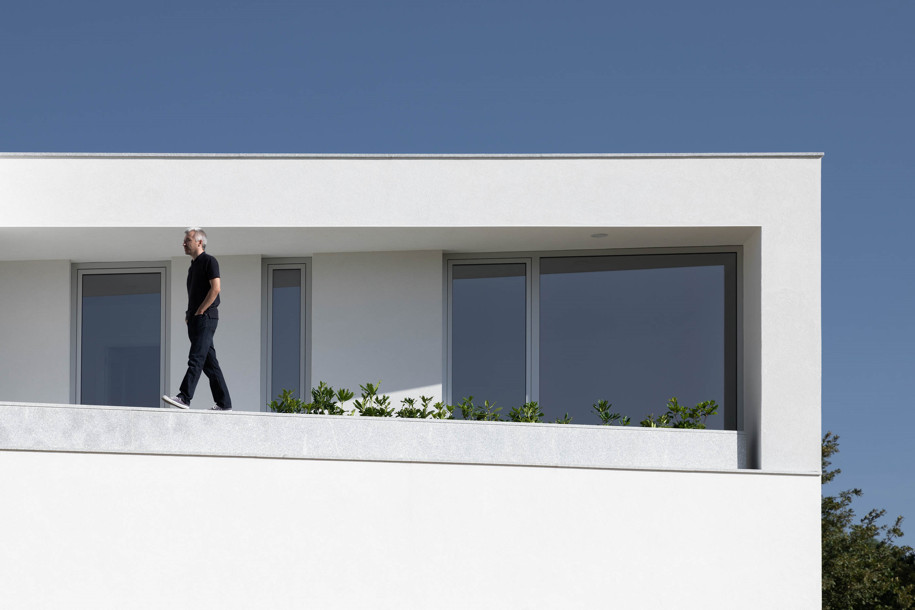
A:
81	428
395	156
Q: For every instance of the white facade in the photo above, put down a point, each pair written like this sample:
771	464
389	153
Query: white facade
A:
141	522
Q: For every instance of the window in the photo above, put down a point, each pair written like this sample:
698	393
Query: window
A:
489	330
286	332
120	335
633	329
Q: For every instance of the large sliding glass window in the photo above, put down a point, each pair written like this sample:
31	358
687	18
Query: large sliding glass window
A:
120	336
286	328
635	330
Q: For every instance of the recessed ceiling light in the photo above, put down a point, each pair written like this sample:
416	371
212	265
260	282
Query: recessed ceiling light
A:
598	235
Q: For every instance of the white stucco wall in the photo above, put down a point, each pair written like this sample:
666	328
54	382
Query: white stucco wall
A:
138	531
378	316
663	190
35	331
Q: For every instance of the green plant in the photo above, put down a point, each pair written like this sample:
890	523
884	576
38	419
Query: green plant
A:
371	404
529	412
679	416
442	411
487	412
607	417
287	402
327	401
410	410
324	400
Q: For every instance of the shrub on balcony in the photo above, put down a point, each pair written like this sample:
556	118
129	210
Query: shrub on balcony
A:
486	412
607	417
324	401
327	401
529	412
679	416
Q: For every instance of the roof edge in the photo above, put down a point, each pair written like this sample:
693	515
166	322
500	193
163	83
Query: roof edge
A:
399	156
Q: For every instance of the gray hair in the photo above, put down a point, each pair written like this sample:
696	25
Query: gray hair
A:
199	235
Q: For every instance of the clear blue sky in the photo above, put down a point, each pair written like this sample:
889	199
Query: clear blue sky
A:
528	77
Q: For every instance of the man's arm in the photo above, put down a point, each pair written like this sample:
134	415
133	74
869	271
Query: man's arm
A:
211	296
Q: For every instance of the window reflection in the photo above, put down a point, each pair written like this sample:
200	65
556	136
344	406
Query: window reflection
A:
286	331
488	333
635	331
121	339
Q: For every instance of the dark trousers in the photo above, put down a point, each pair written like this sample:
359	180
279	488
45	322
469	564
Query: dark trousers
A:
202	357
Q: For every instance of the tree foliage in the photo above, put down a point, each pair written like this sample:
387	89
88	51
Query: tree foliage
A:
863	566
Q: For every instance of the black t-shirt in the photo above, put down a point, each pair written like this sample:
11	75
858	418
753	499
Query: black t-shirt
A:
203	269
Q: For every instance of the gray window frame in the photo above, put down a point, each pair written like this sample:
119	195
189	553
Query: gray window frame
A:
268	265
77	272
733	417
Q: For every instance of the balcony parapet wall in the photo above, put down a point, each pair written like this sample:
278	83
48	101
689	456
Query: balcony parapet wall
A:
128	430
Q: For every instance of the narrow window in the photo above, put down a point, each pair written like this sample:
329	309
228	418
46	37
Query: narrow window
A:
286	329
120	336
489	333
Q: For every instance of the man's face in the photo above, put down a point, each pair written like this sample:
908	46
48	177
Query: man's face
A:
190	243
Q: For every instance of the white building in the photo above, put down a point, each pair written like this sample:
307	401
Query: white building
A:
562	279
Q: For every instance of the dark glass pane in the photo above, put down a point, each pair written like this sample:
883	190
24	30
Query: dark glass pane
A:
121	338
633	336
102	285
489	334
286	333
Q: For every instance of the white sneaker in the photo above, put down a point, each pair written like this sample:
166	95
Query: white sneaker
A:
176	402
218	408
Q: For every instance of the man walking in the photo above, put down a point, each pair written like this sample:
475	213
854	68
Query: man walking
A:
201	317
